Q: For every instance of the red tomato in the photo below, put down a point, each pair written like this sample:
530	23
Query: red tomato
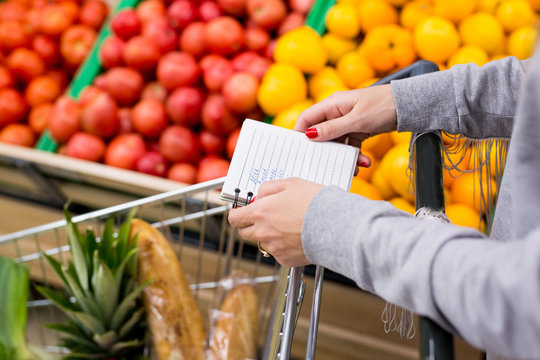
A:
59	76
240	92
93	13
47	49
224	35
41	90
291	22
76	42
64	120
126	24
184	106
149	118
209	10
12	11
124	115
18	134
54	20
216	118
150	9
152	163
111	52
6	80
12	107
181	13
154	90
124	84
71	9
182	172
257	39
85	146
210	143
179	144
212	167
230	145
267	13
125	150
39	116
13	35
89	94
241	61
216	70
25	64
141	53
100	116
192	39
161	33
258	67
302	6
177	69
233	7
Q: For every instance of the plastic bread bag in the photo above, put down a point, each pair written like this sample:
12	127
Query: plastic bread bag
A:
233	334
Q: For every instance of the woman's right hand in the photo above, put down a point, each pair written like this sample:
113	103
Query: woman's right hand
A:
357	114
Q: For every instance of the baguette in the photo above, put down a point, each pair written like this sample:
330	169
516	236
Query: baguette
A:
172	314
235	333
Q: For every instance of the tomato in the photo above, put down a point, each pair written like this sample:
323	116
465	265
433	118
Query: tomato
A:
212	167
71	9
257	39
149	118
18	134
154	90
76	42
179	144
141	53
177	69
6	80
126	24
302	6
216	70
47	49
150	9
85	146
89	94
125	150
216	118
182	172
241	61
12	107
230	145
54	20
233	7
209	10
161	33
291	22
33	21
181	13
192	39
64	120
39	116
267	13
152	163
25	64
100	116
240	92
258	67
124	84
59	76
224	35
13	35
124	116
184	106
12	11
42	89
93	13
110	53
210	143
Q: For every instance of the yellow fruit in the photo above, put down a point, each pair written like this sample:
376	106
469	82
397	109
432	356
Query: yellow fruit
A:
481	29
400	137
403	204
535	4
287	118
349	2
336	47
283	85
466	190
362	187
488	6
366	173
327	78
379	181
435	39
342	20
454	10
378	145
303	48
501	46
329	91
388	47
398	2
354	69
521	42
498	57
394	167
464	215
376	12
469	54
368	83
414	12
514	14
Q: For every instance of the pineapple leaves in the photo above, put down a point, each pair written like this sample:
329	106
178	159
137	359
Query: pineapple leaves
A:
106	291
126	305
79	259
131	323
107	243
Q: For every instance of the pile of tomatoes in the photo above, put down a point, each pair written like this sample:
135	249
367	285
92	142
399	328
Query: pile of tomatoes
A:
42	43
179	78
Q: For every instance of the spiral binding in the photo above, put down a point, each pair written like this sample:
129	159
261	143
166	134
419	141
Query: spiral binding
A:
237	198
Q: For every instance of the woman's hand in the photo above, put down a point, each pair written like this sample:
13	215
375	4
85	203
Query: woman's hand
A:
275	219
358	114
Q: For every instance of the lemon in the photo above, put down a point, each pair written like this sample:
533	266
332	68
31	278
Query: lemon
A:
415	11
336	47
329	91
488	6
342	20
403	204
379	181
482	29
325	79
287	117
464	215
436	38
514	14
394	167
362	187
354	69
303	48
454	10
400	137
469	54
521	42
282	86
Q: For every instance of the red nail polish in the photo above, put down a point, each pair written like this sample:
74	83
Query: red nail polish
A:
252	200
312	133
363	164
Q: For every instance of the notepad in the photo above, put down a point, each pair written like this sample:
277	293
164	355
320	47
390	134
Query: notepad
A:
267	152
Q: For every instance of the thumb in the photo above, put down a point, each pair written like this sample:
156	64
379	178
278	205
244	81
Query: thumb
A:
330	129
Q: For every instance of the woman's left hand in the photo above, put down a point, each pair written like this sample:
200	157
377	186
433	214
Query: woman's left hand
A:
275	219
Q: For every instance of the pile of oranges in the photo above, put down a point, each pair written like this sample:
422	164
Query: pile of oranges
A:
366	40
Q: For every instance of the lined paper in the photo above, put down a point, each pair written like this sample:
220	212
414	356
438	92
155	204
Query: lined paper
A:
266	152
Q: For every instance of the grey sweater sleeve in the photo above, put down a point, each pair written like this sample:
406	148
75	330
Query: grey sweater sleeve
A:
478	102
490	298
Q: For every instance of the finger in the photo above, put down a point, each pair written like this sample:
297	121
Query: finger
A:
241	217
247	233
363	161
268	188
328	108
331	129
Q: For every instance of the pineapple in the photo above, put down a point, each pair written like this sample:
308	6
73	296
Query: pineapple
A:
102	299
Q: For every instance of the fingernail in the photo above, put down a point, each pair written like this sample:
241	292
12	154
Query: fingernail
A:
312	133
252	200
363	164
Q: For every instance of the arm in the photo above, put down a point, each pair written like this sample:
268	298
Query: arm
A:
478	102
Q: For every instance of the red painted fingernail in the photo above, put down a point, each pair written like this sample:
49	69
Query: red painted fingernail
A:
252	200
312	133
363	164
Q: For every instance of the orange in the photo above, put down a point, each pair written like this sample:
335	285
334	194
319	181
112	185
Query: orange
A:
488	6
521	42
368	83
354	69
366	173
394	166
388	47
435	39
324	79
481	29
464	215
342	20
398	3
469	54
415	11
400	137
403	204
283	85
376	12
466	190
514	14
454	10
362	187
379	181
337	46
535	4
303	48
329	91
378	145
498	57
287	117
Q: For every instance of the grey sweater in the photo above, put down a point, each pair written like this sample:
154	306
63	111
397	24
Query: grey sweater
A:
486	291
